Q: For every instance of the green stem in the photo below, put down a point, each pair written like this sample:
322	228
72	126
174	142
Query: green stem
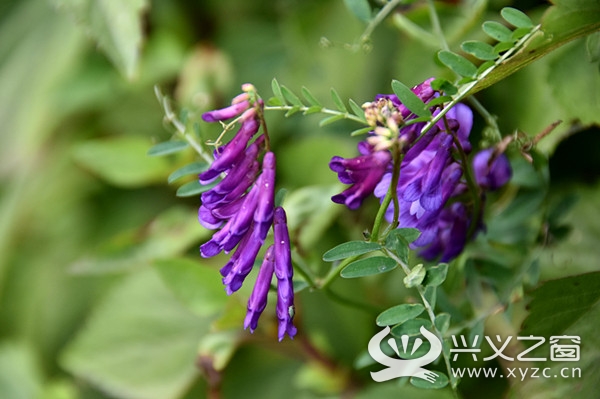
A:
398	157
471	183
381	214
327	111
437	27
381	15
490	119
333	273
180	128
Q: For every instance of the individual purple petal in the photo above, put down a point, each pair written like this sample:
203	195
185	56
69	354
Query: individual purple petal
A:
241	263
263	217
258	299
491	172
238	105
284	273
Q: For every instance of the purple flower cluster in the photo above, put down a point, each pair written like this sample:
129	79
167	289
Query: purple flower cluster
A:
431	182
242	207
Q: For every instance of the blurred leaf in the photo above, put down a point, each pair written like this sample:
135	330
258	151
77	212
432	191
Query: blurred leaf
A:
440	381
457	63
291	97
436	275
194	168
121	161
218	348
441	84
442	322
576	84
592	47
277	91
516	17
140	342
316	377
19	375
392	390
167	147
480	50
168	235
360	8
310	98
399	314
194	187
558	304
337	100
310	212
368	267
410	99
197	286
115	25
329	120
357	109
351	248
497	31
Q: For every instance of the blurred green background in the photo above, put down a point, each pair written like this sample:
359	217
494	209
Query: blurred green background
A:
102	291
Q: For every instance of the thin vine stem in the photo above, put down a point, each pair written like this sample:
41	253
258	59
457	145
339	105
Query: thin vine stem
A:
437	27
381	15
323	110
180	128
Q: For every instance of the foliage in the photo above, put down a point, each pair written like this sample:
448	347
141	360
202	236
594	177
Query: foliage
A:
102	291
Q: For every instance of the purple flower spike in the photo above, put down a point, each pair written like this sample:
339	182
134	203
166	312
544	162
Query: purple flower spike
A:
363	172
241	263
491	174
258	299
284	273
238	105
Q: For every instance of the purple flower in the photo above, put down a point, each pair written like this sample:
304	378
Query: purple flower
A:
284	273
258	299
492	171
242	207
363	172
238	105
451	229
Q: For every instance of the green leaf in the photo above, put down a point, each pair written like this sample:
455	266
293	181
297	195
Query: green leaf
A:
115	25
292	111
197	286
360	8
140	342
368	267
275	102
502	47
439	100
310	98
415	277
559	304
445	86
457	63
441	380
399	314
19	374
497	31
194	168
363	130
276	88
480	50
436	275
357	109
312	110
331	119
592	47
167	235
337	100
412	328
194	187
121	161
442	322
410	99
348	249
516	17
291	97
167	147
485	66
519	33
398	240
